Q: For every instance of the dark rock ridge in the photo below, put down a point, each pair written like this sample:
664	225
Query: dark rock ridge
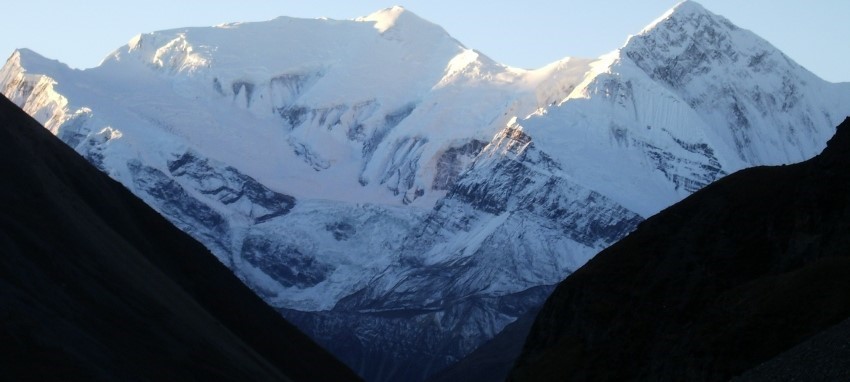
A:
711	287
229	186
286	264
95	285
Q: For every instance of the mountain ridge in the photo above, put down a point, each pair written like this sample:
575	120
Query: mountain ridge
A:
346	176
711	287
98	286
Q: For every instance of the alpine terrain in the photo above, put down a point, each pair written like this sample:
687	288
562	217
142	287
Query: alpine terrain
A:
401	197
750	270
96	286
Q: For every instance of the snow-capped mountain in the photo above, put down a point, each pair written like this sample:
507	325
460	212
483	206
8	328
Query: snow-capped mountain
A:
403	197
91	289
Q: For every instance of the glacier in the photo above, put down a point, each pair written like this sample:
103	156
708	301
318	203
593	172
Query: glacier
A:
401	197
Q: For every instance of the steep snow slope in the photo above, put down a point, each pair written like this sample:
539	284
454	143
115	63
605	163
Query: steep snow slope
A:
336	117
382	175
695	86
552	189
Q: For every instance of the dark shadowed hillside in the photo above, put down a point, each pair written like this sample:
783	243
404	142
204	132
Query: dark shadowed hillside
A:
734	275
95	285
824	357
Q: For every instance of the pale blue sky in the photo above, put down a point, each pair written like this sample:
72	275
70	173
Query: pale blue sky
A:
519	33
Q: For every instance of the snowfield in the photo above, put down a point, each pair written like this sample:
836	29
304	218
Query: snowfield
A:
376	173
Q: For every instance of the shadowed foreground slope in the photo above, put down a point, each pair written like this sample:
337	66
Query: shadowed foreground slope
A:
735	274
94	285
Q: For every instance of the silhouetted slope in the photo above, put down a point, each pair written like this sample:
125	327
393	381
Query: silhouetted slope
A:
824	357
95	285
724	280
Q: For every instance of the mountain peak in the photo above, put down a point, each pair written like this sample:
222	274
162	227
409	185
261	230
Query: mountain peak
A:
30	61
24	55
688	7
688	28
395	17
689	39
686	10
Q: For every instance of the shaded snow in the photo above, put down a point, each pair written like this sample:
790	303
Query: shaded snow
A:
423	174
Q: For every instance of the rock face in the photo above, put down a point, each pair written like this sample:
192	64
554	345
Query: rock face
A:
711	287
95	285
381	174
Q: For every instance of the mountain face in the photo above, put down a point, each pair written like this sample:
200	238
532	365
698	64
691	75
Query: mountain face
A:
403	198
95	285
713	286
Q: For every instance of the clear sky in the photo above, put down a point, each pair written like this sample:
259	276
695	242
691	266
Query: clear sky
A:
529	34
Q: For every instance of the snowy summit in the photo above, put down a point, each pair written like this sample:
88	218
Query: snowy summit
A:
376	173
